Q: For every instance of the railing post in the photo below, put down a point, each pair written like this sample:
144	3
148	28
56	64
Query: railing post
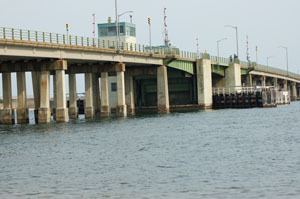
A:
4	34
43	37
81	41
21	35
87	41
70	39
36	36
12	34
57	39
76	42
28	35
64	39
50	34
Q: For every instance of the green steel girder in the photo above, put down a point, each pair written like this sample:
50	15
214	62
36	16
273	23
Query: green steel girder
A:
185	66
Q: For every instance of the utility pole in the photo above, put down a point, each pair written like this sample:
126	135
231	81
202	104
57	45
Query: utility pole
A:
67	30
197	44
117	25
247	51
256	55
287	58
150	35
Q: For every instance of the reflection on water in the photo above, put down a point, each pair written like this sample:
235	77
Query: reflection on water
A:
218	154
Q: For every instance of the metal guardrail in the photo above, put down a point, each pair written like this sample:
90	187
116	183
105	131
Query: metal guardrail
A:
71	40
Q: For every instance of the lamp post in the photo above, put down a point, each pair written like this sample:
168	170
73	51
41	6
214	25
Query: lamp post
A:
237	38
67	30
118	28
287	58
150	35
268	58
218	48
197	44
117	24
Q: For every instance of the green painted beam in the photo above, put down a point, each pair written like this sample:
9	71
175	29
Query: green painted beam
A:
185	66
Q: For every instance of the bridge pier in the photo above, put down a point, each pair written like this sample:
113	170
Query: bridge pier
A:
105	109
44	110
293	91
96	94
285	85
263	81
249	80
275	82
163	103
22	111
204	82
233	75
129	92
121	103
73	109
60	94
35	75
88	102
6	114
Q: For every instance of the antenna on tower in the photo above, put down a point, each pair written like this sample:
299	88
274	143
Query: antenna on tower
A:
94	25
166	34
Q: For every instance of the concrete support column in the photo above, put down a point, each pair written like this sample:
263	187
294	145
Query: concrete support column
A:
163	103
6	114
61	110
121	101
233	75
263	81
73	109
249	80
96	94
88	102
204	82
22	111
53	105
294	91
36	93
44	110
285	85
105	109
275	82
129	92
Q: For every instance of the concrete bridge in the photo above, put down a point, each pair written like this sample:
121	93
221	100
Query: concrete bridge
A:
162	79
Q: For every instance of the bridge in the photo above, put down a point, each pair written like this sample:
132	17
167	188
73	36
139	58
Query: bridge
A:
157	78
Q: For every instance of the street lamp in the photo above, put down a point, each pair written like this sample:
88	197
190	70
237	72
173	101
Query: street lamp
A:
118	27
237	38
218	47
268	58
287	58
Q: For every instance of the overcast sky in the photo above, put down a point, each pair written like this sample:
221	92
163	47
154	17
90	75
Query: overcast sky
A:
268	23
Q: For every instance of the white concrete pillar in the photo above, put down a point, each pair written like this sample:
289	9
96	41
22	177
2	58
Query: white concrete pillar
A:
129	92
88	102
233	75
285	85
263	81
293	91
35	75
204	82
105	109
163	103
121	101
96	94
275	83
22	111
73	109
6	114
249	80
44	110
61	110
